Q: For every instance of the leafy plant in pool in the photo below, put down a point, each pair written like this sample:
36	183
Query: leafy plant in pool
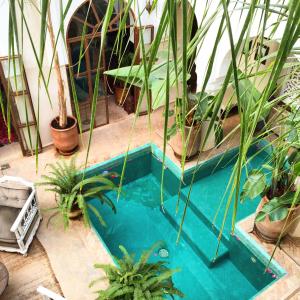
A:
138	280
73	190
280	196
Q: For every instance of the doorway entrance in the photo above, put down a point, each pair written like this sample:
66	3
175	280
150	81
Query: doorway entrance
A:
84	52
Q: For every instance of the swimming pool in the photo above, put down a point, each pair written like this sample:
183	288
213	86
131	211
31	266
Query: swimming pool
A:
237	273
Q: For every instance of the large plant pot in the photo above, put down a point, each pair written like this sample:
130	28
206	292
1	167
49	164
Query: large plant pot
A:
193	146
271	231
294	230
121	95
215	136
65	140
75	213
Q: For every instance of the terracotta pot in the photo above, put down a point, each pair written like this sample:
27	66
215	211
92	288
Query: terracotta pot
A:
65	140
294	229
270	231
193	145
75	213
121	95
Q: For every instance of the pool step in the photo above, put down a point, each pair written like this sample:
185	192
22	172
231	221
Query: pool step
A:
195	233
204	209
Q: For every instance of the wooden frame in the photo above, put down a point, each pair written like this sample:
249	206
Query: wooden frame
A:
11	97
90	70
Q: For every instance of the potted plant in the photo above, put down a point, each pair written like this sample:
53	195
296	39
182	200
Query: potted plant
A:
190	145
73	190
280	198
64	129
131	279
209	140
122	91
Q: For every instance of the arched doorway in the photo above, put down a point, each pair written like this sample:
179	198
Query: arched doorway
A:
192	30
92	13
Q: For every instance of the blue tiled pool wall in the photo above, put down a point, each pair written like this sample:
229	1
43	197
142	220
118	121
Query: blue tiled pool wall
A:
148	159
138	164
250	265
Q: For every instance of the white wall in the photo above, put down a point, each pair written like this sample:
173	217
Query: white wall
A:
3	27
47	111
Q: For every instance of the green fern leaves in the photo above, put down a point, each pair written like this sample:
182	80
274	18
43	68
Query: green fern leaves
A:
141	280
73	190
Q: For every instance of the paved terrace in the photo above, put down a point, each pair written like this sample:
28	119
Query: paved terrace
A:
64	260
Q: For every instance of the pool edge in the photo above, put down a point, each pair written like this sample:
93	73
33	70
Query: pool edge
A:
152	148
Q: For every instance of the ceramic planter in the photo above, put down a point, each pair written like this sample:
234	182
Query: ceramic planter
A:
65	140
193	146
270	231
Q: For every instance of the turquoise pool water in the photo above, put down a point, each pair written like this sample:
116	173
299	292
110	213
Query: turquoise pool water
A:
237	273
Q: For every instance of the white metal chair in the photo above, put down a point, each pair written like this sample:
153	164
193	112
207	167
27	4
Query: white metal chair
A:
19	214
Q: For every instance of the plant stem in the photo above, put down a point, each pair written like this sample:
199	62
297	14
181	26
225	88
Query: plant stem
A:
60	82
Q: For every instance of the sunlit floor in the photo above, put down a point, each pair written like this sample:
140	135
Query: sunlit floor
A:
116	113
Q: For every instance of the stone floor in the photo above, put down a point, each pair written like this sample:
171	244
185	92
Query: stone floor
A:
116	113
27	273
72	253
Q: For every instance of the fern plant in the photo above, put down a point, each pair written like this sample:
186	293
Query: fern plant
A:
141	280
73	190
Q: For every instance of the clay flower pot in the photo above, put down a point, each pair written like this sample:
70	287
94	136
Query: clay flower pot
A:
294	229
121	95
270	231
65	140
75	213
193	146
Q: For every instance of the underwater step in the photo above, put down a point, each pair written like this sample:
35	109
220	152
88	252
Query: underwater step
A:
199	212
205	208
199	237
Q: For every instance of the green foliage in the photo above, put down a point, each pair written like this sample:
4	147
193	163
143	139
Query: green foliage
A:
126	59
135	75
292	127
278	208
255	185
280	191
141	280
73	190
